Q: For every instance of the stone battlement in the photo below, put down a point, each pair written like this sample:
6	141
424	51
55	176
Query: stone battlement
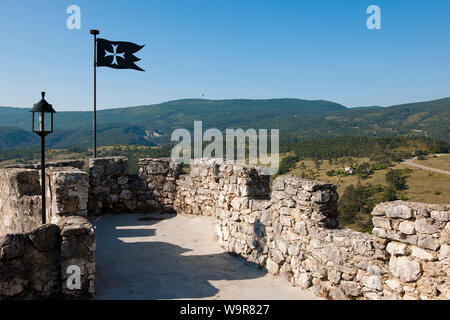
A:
292	231
34	258
112	190
289	228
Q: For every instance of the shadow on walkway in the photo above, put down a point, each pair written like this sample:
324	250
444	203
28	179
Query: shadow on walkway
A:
131	264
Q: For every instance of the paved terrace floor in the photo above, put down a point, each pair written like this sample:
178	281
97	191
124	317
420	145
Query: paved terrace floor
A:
146	257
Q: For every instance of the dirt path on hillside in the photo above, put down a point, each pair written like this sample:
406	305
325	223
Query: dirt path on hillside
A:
176	258
410	162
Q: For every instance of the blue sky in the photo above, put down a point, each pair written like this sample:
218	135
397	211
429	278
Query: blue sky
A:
227	49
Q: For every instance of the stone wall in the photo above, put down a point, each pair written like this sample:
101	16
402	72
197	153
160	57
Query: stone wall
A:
66	193
112	190
417	238
20	200
78	243
34	258
290	231
160	175
293	233
213	184
30	264
37	264
20	196
290	235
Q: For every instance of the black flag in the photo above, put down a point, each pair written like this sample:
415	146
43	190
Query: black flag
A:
117	54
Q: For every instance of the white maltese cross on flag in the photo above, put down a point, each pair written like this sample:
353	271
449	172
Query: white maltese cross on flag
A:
117	54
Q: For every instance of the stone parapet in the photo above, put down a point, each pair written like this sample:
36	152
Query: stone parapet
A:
30	264
160	175
214	184
66	193
33	257
289	228
78	243
20	197
20	200
38	264
293	232
112	190
417	238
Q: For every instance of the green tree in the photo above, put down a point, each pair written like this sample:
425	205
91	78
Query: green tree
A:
390	194
287	164
356	204
397	178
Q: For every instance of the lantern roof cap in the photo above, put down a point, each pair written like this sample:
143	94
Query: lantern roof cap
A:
43	106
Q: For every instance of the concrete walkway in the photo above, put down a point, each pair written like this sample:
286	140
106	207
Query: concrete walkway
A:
146	257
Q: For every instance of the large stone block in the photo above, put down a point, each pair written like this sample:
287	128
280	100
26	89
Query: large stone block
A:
423	226
423	254
397	248
407	227
428	242
382	222
405	268
351	288
372	282
399	211
303	279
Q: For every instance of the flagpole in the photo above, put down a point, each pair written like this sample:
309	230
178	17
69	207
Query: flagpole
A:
95	33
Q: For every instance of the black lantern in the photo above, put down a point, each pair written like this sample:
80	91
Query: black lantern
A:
44	127
44	111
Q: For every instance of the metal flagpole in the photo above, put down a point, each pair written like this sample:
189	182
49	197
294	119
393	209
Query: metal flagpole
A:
95	33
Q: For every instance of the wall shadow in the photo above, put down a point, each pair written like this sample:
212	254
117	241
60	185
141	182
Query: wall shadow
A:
142	268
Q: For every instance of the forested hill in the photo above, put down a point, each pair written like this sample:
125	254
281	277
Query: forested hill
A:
431	118
296	119
180	113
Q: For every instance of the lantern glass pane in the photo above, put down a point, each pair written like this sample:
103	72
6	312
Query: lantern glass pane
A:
42	122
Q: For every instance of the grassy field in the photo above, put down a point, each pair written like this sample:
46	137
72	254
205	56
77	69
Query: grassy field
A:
50	155
426	186
423	186
439	162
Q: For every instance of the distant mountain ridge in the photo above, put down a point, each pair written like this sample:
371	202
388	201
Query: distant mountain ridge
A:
296	119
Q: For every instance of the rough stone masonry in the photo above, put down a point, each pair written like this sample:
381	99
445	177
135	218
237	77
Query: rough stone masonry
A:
293	232
113	190
289	228
34	258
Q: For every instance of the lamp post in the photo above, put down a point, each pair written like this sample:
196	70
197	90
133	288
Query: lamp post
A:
45	110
